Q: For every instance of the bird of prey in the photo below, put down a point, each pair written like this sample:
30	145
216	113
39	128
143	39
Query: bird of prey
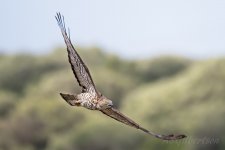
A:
90	97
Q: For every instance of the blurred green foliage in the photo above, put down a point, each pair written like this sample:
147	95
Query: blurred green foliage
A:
166	94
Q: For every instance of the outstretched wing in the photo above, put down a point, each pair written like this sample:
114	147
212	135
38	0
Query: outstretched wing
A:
80	70
115	114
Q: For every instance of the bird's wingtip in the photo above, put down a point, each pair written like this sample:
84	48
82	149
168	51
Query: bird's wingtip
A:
173	137
182	136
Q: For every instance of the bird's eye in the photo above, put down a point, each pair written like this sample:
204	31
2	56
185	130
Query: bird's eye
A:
110	105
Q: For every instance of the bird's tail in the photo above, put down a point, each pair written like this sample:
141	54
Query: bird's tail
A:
70	99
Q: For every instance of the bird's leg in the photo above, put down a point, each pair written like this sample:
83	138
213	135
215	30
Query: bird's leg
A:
71	99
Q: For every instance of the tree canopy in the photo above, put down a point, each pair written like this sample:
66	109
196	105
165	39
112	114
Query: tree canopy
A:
165	94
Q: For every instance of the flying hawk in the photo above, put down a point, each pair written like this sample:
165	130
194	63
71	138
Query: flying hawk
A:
90	98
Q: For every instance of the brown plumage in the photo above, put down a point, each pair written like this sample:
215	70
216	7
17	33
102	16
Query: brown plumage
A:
90	98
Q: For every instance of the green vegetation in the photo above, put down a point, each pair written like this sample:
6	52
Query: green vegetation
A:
166	94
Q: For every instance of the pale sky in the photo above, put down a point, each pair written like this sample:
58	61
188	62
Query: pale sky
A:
129	28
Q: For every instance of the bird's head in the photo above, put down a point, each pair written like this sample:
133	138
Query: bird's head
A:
104	103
